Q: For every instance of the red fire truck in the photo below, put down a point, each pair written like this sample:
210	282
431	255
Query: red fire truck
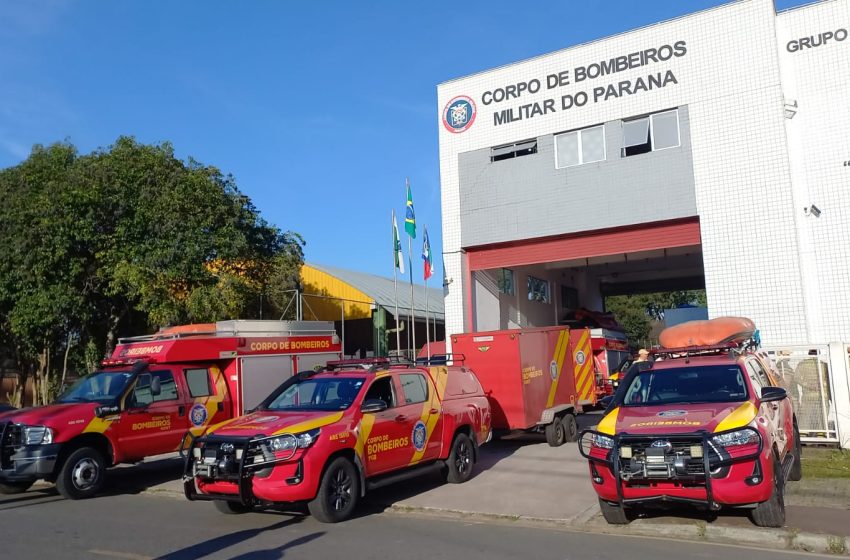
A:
610	349
537	379
149	394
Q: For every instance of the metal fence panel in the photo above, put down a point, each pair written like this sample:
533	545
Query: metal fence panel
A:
806	374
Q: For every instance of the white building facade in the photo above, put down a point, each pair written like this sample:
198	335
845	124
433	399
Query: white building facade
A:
712	151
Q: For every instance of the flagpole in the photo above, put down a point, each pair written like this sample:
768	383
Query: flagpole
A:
395	283
412	320
427	326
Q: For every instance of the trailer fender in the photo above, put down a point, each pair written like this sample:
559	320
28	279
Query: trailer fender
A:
549	414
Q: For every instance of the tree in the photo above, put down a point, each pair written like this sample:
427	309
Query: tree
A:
636	312
125	239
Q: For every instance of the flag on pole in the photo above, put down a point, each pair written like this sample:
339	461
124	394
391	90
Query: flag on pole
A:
426	254
397	255
410	217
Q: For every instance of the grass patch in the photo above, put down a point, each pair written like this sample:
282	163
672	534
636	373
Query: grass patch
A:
820	462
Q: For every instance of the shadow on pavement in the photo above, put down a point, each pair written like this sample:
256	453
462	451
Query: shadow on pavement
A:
216	544
32	497
135	479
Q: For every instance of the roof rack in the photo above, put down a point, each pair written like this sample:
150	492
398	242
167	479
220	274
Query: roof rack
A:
730	348
441	360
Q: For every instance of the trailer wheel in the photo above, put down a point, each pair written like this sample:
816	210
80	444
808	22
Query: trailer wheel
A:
338	492
231	508
15	487
570	427
555	433
614	514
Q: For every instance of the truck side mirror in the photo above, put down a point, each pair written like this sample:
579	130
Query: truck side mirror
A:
771	394
156	386
372	406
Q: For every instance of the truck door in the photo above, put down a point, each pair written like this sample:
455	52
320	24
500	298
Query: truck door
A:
154	417
209	399
388	446
422	404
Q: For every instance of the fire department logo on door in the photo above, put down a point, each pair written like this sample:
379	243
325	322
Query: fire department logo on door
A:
198	415
553	369
419	436
580	358
459	114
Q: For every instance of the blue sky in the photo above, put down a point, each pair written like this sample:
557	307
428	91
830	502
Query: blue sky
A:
319	109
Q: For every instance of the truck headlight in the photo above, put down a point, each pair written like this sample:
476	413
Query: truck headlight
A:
738	437
603	441
37	435
306	439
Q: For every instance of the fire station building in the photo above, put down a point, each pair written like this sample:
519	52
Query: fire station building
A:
712	150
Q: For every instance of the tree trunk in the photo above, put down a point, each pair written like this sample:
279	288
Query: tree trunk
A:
112	331
65	362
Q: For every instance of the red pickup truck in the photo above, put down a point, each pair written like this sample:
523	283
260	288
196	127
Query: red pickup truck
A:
148	394
326	437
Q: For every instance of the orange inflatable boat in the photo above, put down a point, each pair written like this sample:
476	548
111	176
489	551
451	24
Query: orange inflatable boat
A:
721	330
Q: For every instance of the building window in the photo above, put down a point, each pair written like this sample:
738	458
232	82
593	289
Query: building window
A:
538	290
506	281
580	146
518	149
651	133
569	297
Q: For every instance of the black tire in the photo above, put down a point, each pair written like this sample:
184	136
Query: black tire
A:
570	427
82	474
232	508
614	514
772	512
338	493
555	435
15	487
460	461
797	470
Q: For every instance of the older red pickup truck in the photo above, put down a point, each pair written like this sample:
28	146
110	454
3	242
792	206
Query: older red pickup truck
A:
324	438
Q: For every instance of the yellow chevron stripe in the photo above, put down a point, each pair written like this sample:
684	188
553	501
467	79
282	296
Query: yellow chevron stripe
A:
210	402
738	418
558	357
363	430
310	424
608	425
582	377
99	425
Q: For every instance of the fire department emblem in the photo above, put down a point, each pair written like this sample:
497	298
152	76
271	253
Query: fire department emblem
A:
580	358
459	114
672	413
553	369
419	436
198	415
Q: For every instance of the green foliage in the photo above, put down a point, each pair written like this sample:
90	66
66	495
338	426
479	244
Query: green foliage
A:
124	240
636	312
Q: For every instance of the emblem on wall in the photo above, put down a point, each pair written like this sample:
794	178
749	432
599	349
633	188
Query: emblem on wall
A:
459	114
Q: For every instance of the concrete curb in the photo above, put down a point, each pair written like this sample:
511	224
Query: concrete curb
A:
698	531
589	521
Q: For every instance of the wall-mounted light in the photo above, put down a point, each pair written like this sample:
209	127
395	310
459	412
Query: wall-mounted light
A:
791	109
812	211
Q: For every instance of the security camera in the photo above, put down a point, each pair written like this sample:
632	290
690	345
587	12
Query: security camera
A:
812	210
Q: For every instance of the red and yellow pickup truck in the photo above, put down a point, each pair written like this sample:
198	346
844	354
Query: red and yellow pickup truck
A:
324	438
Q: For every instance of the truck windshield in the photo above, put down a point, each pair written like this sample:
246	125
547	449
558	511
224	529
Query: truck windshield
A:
101	387
687	385
324	393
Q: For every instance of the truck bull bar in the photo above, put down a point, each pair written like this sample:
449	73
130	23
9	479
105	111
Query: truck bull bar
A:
250	447
714	456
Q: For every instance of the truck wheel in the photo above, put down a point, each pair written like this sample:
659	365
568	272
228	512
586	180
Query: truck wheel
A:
338	492
231	508
555	435
460	461
570	427
614	514
772	512
797	470
15	487
82	474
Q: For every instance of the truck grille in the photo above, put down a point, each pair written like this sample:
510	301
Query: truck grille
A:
669	458
11	438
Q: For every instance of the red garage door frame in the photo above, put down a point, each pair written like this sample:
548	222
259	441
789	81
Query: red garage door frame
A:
596	243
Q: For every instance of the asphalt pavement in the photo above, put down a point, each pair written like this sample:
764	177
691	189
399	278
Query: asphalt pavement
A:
40	525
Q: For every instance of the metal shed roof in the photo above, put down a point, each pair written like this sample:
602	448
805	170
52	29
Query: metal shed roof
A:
382	290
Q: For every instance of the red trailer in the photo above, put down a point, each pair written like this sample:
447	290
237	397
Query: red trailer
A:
530	376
